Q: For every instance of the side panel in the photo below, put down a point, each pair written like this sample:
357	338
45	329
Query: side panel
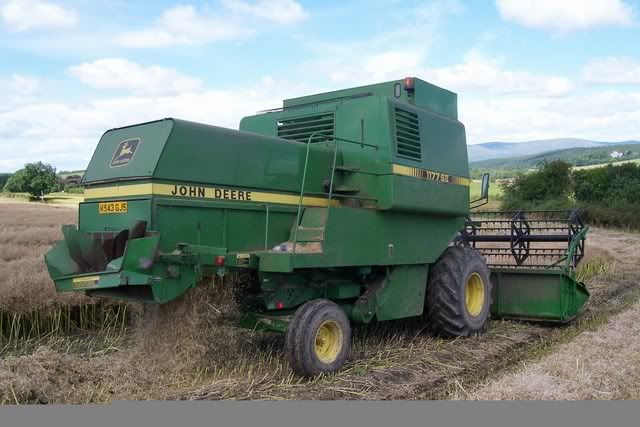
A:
235	226
409	194
414	239
351	236
536	294
365	237
436	178
404	294
92	221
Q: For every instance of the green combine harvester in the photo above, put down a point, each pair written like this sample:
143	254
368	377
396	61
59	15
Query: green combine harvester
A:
349	206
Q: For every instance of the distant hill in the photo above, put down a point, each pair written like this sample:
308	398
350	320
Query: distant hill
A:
495	150
582	156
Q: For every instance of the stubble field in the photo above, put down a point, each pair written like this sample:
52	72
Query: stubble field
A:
66	348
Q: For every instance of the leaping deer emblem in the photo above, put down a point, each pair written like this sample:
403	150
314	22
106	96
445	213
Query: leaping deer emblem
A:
126	149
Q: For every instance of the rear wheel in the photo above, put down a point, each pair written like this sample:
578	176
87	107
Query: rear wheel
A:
318	338
458	293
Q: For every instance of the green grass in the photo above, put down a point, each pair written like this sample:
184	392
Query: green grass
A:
64	198
495	190
495	195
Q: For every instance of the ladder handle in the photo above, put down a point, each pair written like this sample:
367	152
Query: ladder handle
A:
266	227
304	178
333	171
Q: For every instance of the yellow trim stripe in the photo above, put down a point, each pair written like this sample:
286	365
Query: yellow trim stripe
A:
430	175
85	279
118	191
200	192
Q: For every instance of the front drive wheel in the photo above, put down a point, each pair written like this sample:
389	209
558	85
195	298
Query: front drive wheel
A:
318	338
458	296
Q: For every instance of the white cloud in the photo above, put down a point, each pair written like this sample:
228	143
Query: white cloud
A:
612	70
607	116
565	16
18	84
278	11
377	67
24	15
119	73
388	55
17	90
478	73
66	134
481	73
183	25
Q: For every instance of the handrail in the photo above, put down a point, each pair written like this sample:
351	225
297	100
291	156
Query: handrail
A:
354	142
344	196
304	178
333	169
266	227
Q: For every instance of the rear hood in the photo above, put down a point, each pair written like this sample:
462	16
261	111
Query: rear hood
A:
171	150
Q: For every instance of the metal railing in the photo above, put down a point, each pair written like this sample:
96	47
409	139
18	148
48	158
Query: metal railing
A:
332	176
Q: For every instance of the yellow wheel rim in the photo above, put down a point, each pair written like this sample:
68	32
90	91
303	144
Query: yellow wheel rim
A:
328	341
474	294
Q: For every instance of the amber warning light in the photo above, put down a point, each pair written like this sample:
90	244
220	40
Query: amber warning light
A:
408	84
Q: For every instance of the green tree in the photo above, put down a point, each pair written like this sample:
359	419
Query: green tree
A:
552	182
35	179
4	177
611	185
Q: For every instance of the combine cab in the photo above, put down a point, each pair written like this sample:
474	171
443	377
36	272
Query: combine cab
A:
349	206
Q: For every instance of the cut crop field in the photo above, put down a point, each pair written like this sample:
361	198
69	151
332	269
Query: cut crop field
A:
601	165
66	348
59	198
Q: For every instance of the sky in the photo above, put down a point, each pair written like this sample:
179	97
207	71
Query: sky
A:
522	69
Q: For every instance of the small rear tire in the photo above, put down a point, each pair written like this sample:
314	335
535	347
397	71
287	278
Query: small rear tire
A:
318	338
458	295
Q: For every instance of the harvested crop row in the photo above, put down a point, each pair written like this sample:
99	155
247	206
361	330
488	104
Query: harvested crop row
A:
29	304
601	364
190	349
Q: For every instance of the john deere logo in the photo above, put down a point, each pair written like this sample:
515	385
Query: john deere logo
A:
124	152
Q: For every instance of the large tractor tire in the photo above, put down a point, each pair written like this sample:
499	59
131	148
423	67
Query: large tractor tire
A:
318	338
458	295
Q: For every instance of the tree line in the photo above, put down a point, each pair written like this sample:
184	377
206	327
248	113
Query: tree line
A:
37	179
610	195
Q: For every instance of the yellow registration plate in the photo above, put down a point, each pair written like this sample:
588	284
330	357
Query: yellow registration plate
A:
112	207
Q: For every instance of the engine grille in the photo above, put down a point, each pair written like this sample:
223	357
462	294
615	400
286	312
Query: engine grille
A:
301	128
407	135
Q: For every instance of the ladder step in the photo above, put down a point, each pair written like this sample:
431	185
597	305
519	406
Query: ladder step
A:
310	234
347	168
347	189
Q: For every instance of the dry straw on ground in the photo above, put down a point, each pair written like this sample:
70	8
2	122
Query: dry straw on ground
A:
190	349
27	232
601	364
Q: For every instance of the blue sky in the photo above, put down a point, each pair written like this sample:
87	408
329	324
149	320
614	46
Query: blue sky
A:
523	69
